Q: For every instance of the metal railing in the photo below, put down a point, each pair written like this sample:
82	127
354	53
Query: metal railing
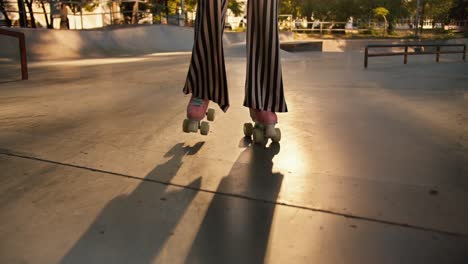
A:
22	49
406	52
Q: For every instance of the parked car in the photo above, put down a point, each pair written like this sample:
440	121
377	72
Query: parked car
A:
233	22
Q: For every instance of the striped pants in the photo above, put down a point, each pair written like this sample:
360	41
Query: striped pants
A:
207	73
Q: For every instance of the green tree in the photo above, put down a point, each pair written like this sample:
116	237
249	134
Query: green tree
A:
235	7
459	10
382	12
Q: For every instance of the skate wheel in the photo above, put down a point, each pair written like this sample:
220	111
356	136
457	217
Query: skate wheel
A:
185	126
274	148
192	126
270	131
277	137
204	128
258	136
248	129
211	114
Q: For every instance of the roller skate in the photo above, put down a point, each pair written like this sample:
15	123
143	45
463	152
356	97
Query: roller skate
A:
196	112
263	127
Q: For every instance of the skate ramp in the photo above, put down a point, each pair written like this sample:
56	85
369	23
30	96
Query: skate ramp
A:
44	44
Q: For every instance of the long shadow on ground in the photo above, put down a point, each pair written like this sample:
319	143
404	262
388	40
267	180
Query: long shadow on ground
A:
237	230
133	228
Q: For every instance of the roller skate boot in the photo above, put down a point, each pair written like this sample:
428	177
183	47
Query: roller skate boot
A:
263	127
196	112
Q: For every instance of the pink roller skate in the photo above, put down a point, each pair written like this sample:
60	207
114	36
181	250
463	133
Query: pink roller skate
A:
264	127
196	111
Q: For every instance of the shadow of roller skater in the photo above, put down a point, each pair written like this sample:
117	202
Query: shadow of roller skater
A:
237	230
133	228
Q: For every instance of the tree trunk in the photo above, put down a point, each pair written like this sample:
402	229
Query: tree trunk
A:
166	3
135	13
421	17
5	14
45	14
385	26
29	3
22	14
8	20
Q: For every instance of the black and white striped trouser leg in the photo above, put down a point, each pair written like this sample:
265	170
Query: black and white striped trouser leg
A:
264	82
207	74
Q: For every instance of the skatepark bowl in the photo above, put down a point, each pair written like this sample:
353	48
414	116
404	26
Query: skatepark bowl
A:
372	166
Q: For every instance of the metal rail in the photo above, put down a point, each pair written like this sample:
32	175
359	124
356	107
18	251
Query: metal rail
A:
22	49
405	53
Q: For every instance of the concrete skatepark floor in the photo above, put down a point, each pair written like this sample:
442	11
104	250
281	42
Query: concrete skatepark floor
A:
372	167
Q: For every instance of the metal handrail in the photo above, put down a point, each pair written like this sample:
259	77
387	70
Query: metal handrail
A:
22	48
406	53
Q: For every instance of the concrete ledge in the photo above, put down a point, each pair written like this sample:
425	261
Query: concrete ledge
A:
232	38
345	45
298	46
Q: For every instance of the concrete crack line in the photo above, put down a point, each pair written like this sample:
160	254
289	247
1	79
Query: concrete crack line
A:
245	197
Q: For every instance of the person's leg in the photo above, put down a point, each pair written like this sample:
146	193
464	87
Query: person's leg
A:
206	78
264	82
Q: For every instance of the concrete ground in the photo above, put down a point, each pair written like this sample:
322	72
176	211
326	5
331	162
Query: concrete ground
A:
372	167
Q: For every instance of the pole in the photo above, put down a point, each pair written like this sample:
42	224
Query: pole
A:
366	57
464	52
111	13
406	55
24	63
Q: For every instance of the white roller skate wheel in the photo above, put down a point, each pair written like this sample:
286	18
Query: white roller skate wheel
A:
258	136
248	129
204	128
185	126
211	114
193	126
270	131
277	137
